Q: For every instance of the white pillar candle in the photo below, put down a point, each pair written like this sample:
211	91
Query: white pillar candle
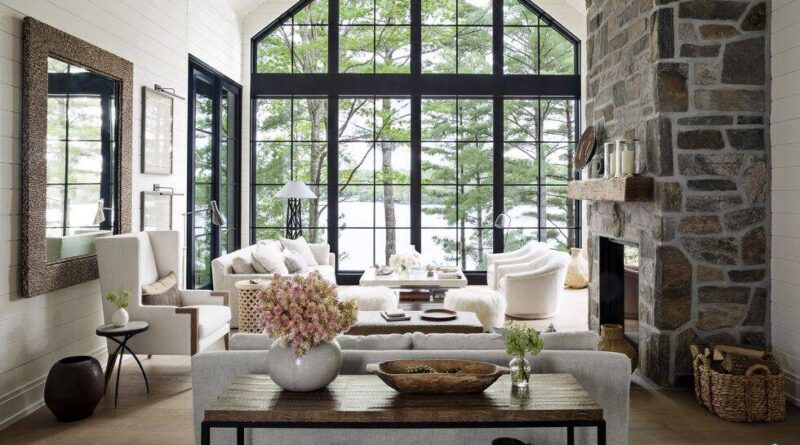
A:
612	166
628	163
618	155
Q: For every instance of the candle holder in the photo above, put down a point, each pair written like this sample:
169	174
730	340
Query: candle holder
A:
609	160
628	156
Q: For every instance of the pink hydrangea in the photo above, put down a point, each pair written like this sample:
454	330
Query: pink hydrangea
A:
304	311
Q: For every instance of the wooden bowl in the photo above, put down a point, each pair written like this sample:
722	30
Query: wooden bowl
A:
473	378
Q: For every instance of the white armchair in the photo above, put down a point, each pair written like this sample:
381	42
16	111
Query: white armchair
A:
526	253
129	261
533	289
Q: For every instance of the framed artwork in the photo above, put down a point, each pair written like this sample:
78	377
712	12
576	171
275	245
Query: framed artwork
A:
156	211
157	132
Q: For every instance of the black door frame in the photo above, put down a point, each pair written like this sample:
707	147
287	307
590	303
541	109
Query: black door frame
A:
219	82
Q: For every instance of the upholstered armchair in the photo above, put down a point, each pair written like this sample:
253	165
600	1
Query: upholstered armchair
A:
129	261
524	254
533	289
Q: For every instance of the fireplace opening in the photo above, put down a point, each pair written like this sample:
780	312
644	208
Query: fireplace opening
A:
619	285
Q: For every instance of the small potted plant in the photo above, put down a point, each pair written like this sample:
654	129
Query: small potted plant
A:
120	300
521	340
303	316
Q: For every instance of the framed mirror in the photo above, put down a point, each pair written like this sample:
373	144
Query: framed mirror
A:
77	119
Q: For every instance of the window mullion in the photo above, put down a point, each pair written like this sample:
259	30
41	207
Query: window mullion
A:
333	36
416	171
416	38
498	168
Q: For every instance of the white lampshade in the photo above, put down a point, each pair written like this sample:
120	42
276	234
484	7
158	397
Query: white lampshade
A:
296	190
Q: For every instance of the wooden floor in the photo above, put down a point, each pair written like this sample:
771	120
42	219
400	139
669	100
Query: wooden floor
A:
165	416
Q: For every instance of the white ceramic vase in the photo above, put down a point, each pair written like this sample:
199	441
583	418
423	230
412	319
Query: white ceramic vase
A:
315	370
577	271
120	318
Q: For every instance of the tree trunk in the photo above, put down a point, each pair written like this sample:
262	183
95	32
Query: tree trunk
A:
388	202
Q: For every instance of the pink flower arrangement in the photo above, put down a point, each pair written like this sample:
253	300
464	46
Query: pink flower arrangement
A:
304	311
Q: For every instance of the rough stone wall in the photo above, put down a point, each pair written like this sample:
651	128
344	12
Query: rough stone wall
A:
688	78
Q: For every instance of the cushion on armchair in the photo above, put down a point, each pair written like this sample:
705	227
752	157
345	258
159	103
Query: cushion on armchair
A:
163	292
211	318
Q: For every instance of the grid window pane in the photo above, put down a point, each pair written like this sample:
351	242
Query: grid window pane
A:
521	50
356	248
356	49
516	14
392	49
439	49
522	205
474	50
557	53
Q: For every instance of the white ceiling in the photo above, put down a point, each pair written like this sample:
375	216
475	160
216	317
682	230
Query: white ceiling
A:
244	7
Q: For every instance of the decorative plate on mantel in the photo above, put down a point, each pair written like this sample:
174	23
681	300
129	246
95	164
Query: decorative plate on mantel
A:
586	148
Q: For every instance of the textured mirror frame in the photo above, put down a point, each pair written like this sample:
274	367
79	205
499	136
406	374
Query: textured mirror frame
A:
39	42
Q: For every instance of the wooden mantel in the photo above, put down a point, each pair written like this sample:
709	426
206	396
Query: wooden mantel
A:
630	189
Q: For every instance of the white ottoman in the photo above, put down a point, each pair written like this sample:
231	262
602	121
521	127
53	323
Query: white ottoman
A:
487	304
369	298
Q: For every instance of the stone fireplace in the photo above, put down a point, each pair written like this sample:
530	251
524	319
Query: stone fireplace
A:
688	78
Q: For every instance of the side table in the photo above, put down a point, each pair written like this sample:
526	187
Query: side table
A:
127	332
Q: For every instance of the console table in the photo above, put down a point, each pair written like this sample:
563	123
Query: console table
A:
364	401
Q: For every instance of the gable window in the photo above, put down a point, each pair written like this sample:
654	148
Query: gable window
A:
416	122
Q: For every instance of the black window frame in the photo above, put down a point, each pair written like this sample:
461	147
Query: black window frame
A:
415	85
219	83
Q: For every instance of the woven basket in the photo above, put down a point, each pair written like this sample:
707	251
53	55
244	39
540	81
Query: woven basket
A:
757	396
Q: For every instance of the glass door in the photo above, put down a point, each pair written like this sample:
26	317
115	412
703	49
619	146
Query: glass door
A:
214	146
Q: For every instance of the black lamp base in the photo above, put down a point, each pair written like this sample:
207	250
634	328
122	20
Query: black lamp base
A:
294	220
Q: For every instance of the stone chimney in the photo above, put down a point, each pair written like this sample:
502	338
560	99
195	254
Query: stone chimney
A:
688	78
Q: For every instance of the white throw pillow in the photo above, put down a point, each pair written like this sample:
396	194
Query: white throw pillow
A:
295	262
270	259
300	246
241	265
321	252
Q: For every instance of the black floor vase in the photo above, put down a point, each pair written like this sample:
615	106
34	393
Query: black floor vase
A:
74	388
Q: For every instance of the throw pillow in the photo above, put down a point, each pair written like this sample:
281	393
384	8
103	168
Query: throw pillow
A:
300	246
295	262
163	292
240	265
321	252
269	259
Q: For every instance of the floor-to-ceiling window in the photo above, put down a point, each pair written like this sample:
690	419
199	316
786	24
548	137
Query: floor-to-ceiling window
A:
214	147
417	122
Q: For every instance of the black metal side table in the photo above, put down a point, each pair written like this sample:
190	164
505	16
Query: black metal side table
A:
126	333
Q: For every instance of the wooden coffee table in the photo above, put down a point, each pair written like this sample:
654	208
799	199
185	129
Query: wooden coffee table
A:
364	401
371	322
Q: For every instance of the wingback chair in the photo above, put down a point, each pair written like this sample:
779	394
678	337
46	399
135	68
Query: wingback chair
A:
129	261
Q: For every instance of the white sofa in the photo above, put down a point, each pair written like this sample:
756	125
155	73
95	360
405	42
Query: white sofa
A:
224	278
604	375
129	261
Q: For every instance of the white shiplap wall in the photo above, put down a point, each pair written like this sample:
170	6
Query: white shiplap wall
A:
785	137
564	11
157	36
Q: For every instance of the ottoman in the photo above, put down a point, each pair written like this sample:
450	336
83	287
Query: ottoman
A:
370	298
487	304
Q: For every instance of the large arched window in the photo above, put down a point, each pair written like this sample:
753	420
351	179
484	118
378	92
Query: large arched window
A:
416	122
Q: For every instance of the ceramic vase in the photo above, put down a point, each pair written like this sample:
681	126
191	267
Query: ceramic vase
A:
577	271
612	340
318	367
74	387
120	318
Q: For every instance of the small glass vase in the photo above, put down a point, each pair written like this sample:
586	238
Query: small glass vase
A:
520	370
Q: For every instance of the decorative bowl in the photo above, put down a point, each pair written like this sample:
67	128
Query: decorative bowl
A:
472	376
